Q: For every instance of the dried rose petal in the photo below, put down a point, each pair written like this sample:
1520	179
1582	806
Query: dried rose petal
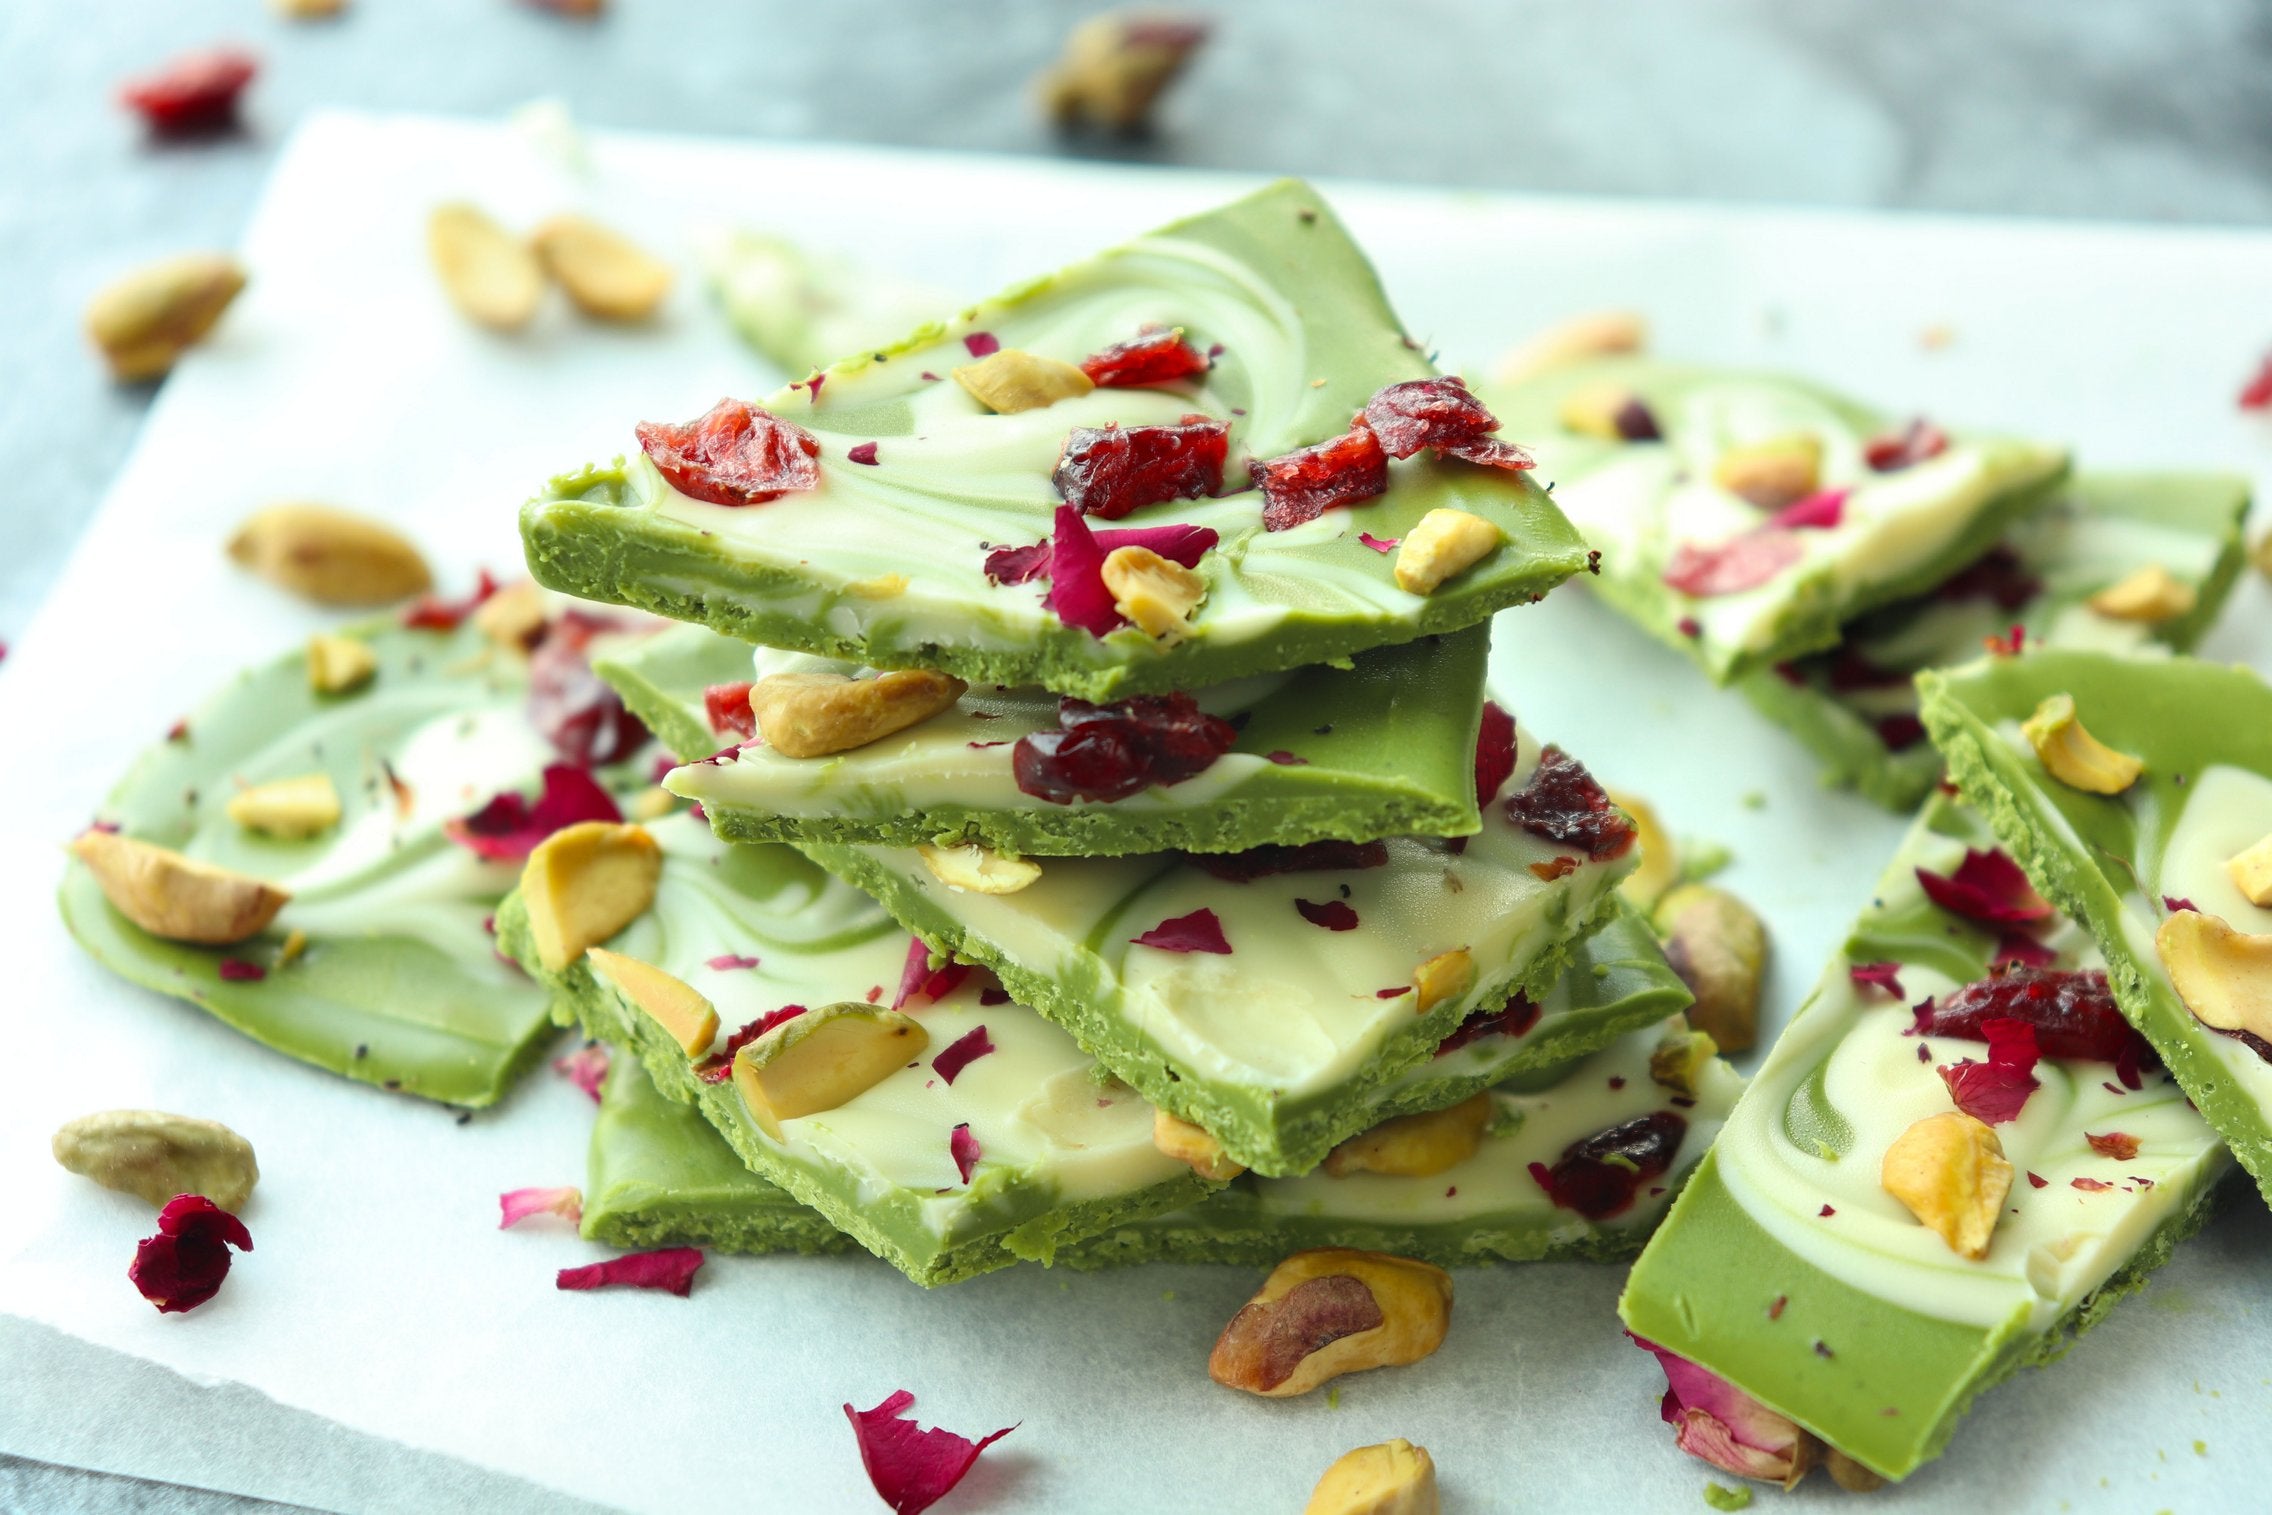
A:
921	984
1302	485
1018	565
1899	732
1819	511
433	613
1277	857
1159	356
1996	1091
981	344
2119	1145
517	1205
1333	915
1514	1018
1077	591
1726	1427
2007	646
586	1068
718	1069
182	1266
912	1468
2090	1185
1494	757
1380	544
1109	471
961	1053
2018	947
235	970
668	1268
1740	563
1987	887
1913	444
193	95
2073	1015
1437	412
1998	575
963	1148
2256	394
727	708
1285	759
726	962
508	828
864	452
1103	753
1886	976
578	711
1200	931
1562	803
1598	1176
2170	902
736	454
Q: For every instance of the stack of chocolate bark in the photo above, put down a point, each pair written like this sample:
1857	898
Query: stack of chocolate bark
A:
1108	851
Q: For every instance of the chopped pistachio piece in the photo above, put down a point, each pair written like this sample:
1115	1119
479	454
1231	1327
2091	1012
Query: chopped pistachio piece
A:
293	808
823	1058
2070	754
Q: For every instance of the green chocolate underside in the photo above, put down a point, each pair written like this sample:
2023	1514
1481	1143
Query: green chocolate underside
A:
1839	1348
1639	502
1386	748
1307	339
2107	860
2102	526
397	985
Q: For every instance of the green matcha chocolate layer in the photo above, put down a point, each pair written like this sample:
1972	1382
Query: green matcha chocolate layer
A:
1855	707
1061	1153
1275	1010
397	983
1767	575
659	1175
1385	748
2124	864
1788	1269
884	562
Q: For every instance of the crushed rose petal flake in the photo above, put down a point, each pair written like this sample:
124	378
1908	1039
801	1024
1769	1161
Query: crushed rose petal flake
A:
586	1068
670	1269
1200	931
911	1467
963	1148
961	1053
509	828
183	1265
517	1205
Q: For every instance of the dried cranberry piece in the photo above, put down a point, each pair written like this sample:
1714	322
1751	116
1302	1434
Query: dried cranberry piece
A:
1513	1018
1417	413
1159	356
183	1265
1494	752
2072	1012
735	454
1303	485
1913	444
1108	752
1563	804
194	95
1740	563
727	706
1598	1176
1109	471
1274	858
582	717
1997	575
1490	452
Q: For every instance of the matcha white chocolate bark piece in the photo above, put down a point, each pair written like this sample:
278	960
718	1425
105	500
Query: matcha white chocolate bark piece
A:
911	523
1270	997
378	965
1745	518
659	1175
1384	748
996	1140
2138	563
2159	871
1808	1268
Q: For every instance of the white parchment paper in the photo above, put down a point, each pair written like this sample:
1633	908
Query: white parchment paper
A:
383	1297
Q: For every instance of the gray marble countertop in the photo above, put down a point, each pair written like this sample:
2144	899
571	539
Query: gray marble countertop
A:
2070	108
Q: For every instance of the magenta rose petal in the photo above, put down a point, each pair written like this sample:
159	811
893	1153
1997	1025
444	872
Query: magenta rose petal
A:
912	1467
670	1269
1200	931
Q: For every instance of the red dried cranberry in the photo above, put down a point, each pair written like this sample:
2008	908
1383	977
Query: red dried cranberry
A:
1303	485
1899	732
2256	394
583	718
1740	563
1996	575
183	1265
1159	356
1563	804
1109	471
1599	1175
2072	1012
736	454
195	94
1513	1018
1913	444
1417	413
1636	422
1333	915
727	706
1987	887
1108	752
1494	752
1274	858
1490	452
